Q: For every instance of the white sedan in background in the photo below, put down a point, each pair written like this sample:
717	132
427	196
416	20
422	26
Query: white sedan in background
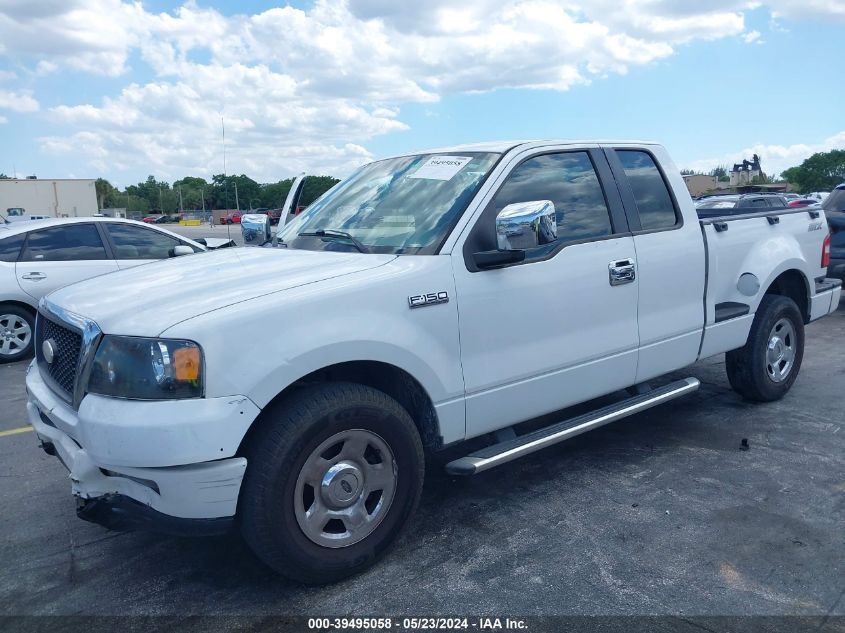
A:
41	256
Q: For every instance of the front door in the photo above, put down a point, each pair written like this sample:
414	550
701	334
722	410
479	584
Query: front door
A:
551	331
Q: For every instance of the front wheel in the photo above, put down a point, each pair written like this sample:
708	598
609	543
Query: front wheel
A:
333	475
766	367
17	330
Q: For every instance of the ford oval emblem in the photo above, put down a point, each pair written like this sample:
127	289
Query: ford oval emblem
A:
48	347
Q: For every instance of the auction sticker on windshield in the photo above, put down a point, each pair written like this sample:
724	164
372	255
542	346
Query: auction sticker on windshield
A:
441	167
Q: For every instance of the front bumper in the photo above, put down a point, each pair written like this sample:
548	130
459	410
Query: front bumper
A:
123	514
112	473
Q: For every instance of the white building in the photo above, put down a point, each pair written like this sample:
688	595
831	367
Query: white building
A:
56	198
745	172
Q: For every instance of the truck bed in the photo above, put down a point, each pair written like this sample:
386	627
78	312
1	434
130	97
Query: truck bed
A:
745	254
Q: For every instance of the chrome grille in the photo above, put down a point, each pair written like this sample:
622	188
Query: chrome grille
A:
67	344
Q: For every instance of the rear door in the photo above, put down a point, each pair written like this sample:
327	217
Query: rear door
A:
54	257
134	245
670	258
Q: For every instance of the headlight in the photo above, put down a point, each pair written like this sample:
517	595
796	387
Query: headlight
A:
147	368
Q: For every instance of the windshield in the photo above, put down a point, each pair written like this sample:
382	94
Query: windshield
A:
401	205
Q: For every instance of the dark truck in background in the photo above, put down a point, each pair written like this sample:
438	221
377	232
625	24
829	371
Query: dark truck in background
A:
834	208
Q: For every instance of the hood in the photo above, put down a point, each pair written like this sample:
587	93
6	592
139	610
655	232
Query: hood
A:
148	299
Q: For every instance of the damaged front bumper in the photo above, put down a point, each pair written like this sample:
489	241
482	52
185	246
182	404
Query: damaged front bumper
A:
196	498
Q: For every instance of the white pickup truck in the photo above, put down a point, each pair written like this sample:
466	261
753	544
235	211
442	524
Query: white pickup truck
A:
427	299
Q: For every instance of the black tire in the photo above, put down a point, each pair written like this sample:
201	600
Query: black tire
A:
276	453
7	309
748	367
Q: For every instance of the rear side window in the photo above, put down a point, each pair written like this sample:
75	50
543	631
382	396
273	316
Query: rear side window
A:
654	202
71	242
137	242
10	247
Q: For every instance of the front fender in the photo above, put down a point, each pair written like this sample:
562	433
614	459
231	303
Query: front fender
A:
261	346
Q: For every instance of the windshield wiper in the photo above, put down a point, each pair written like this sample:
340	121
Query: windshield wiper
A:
332	234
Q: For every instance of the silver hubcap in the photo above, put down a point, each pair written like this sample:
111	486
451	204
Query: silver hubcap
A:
780	352
15	334
345	488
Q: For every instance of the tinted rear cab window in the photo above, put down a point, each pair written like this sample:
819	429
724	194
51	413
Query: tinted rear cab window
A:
654	202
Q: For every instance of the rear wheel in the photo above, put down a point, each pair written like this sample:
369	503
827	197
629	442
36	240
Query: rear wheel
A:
333	475
766	367
17	331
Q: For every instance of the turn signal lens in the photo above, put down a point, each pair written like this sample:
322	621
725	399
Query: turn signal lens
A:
186	363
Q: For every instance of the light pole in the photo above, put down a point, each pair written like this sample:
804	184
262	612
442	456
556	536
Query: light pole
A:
237	204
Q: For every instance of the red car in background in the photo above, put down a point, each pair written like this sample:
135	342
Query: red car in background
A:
231	218
803	202
151	219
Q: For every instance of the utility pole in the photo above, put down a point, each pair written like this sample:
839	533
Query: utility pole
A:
225	177
237	204
160	203
181	208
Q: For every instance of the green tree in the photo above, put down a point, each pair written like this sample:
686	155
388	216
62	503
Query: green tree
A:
105	193
153	192
821	172
273	194
193	190
314	187
5	177
720	173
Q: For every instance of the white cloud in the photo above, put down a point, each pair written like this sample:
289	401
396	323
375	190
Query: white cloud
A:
752	36
306	89
21	101
774	159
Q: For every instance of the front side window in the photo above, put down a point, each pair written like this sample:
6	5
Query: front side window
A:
654	202
135	242
403	205
71	242
570	182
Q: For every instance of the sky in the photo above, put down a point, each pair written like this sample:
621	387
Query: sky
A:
122	90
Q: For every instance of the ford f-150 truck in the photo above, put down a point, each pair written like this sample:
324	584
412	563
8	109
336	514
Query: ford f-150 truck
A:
427	299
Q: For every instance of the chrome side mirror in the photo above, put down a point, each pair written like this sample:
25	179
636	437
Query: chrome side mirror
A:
524	225
255	228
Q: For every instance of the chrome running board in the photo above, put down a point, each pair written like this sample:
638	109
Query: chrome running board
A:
506	451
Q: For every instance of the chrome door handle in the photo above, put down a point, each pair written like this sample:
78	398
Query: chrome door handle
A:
34	276
622	272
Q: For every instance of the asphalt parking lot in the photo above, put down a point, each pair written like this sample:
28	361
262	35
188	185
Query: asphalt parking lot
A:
658	514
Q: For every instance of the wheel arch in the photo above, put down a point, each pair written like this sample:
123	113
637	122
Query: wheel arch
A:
390	379
19	304
794	284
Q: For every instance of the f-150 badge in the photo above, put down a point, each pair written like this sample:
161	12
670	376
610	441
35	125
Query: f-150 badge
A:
428	299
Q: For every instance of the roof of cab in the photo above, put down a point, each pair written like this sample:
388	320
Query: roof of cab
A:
504	146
